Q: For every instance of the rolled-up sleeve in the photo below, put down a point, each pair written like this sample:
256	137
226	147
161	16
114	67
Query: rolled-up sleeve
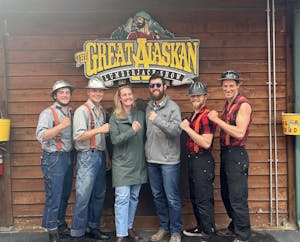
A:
45	122
80	124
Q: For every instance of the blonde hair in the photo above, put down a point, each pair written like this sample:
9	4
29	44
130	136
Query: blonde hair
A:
118	109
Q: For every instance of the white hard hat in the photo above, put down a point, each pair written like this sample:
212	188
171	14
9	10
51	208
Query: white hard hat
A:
96	83
60	84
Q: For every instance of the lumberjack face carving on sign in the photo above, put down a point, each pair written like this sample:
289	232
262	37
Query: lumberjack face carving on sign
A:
141	26
137	50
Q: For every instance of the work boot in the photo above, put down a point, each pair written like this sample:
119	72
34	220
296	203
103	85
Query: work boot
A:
133	235
226	233
63	230
238	240
159	235
97	234
175	238
53	236
78	239
120	239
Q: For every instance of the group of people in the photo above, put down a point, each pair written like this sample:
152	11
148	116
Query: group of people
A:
146	147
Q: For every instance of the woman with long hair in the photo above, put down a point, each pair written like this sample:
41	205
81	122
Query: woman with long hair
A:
127	133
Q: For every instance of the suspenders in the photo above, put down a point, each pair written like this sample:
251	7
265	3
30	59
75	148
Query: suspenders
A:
56	122
93	138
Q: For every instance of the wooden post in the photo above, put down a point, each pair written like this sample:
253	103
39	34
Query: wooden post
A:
6	218
297	106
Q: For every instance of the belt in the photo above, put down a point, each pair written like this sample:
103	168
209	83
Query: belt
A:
197	155
95	150
92	150
224	148
55	152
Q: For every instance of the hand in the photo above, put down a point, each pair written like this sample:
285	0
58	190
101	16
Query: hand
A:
136	126
66	122
185	124
108	164
213	115
152	116
104	128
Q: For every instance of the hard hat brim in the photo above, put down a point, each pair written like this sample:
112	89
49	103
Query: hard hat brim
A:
103	88
53	92
224	79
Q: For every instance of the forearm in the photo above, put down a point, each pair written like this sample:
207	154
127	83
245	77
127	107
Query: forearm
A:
171	128
204	140
232	130
52	132
88	134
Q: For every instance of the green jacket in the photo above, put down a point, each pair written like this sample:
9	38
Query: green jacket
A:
128	160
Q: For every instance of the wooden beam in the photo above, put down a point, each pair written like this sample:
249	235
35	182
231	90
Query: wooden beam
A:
5	182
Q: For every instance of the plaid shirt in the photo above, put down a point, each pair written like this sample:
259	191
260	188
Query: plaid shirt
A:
206	127
229	116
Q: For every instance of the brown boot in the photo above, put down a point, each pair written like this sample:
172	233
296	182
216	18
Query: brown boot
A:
159	235
120	239
175	238
133	235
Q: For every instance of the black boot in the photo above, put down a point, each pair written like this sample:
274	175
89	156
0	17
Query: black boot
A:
53	236
63	230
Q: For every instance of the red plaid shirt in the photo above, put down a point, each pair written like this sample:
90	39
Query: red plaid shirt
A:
205	127
229	116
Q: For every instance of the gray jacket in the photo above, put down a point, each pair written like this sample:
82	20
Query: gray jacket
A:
163	134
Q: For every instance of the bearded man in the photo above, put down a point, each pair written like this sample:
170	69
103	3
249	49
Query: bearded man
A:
162	150
201	164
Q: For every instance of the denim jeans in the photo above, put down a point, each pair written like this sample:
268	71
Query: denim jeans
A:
126	201
164	182
57	168
67	189
90	191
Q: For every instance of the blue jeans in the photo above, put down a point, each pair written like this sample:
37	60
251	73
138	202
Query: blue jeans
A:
126	201
164	182
57	168
67	189
90	191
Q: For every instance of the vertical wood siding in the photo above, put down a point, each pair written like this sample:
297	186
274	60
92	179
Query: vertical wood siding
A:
43	37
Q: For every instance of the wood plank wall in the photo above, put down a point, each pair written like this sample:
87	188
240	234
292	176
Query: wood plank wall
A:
42	37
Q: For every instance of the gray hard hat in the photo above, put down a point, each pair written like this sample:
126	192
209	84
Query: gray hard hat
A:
60	84
197	88
230	75
96	83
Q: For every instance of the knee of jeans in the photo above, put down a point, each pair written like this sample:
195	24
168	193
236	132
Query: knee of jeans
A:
134	197
174	202
121	200
122	197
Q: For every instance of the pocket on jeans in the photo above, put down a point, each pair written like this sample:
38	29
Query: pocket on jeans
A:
50	160
84	158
